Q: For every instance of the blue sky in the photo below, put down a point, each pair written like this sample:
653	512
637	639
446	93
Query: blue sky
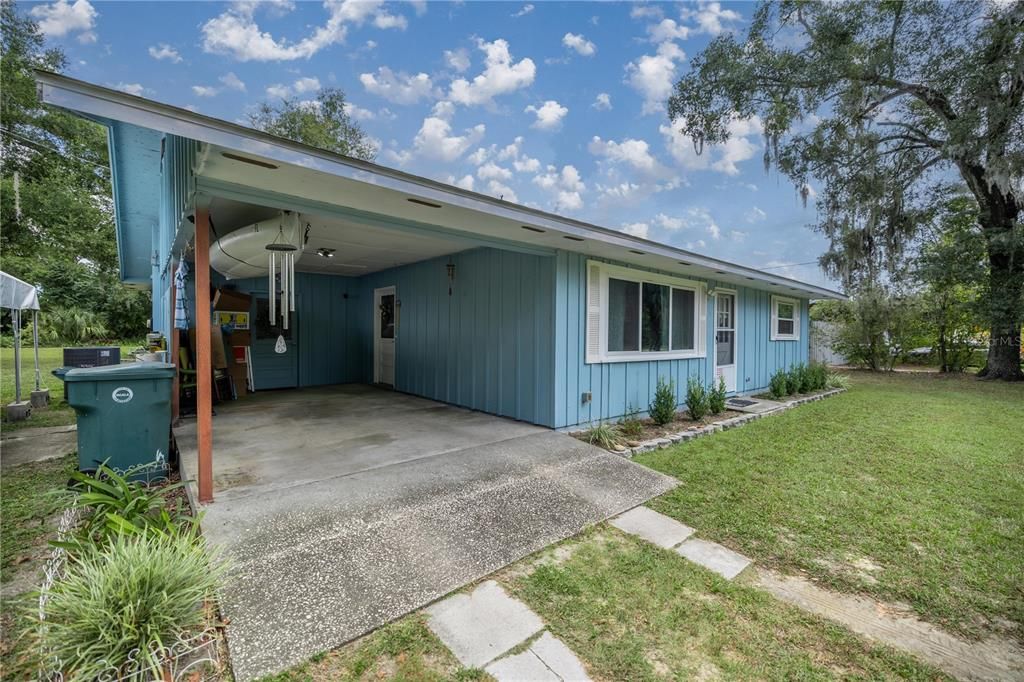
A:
553	105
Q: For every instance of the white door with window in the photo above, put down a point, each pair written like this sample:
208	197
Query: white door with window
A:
725	339
384	329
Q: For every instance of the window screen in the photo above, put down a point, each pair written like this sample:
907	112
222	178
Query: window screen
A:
623	315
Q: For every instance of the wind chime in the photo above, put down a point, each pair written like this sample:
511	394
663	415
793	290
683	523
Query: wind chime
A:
282	257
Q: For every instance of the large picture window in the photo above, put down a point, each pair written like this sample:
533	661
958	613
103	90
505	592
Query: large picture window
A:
635	315
785	319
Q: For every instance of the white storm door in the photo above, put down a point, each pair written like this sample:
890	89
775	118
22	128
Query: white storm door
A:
725	339
384	328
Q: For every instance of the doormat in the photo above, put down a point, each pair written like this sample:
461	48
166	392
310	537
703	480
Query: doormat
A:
739	402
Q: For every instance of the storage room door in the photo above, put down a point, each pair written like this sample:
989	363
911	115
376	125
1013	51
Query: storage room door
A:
271	369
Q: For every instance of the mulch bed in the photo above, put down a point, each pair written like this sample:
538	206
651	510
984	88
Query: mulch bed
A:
652	431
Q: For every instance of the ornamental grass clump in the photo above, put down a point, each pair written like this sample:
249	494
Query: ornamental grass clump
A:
716	397
696	399
663	407
603	435
129	599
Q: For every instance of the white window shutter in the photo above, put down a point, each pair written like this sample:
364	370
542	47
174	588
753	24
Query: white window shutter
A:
774	330
702	327
593	313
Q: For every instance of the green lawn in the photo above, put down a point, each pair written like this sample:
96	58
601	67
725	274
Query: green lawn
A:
909	487
404	650
633	611
58	413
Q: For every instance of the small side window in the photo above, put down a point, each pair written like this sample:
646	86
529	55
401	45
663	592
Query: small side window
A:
785	319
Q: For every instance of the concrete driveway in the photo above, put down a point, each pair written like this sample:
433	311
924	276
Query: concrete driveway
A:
344	508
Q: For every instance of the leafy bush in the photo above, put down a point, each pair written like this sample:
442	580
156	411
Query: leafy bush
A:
777	386
71	326
603	435
716	397
818	375
136	593
663	407
794	379
806	378
837	380
631	426
118	506
696	399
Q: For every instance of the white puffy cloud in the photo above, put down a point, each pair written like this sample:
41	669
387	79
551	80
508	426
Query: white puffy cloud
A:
63	18
232	82
436	141
400	88
465	182
575	41
301	86
549	115
523	11
636	229
204	90
723	158
492	171
667	29
669	222
643	11
164	51
502	191
603	101
710	17
235	33
359	113
526	164
632	152
699	244
457	59
565	185
136	89
500	76
653	75
755	215
737	236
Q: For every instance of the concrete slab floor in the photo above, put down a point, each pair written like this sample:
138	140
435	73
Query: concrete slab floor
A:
341	509
37	444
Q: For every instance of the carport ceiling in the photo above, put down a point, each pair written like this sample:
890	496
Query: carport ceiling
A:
358	249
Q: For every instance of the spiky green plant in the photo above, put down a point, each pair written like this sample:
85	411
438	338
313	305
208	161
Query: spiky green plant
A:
604	435
777	386
663	406
696	398
137	593
716	397
794	377
837	380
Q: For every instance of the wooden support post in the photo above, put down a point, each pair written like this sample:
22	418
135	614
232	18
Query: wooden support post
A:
204	361
172	349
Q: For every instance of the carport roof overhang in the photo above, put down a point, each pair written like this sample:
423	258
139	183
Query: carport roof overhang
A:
314	179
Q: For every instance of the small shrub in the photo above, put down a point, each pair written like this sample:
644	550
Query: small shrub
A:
716	397
777	386
837	380
794	379
631	426
663	407
603	435
117	506
135	594
696	399
819	375
806	378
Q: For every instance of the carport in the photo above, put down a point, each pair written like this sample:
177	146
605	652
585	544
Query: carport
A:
341	508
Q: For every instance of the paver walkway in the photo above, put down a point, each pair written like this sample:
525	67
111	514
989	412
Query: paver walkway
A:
37	444
667	533
481	628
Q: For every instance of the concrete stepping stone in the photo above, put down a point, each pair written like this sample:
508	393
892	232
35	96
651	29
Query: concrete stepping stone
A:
714	556
546	659
480	626
652	526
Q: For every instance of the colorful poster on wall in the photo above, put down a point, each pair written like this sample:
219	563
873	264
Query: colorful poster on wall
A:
234	320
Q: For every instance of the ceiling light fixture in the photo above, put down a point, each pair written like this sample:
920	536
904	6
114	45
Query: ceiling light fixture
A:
325	252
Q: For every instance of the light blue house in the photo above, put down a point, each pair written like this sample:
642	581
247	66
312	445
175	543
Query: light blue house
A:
438	291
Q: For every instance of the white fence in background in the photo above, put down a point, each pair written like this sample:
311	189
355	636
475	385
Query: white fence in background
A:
822	336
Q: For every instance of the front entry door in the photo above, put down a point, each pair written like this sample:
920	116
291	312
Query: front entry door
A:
725	339
384	328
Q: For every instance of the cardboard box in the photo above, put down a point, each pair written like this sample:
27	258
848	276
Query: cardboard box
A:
240	337
229	299
238	376
217	352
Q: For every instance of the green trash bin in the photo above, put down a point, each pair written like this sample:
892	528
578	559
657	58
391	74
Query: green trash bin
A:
124	416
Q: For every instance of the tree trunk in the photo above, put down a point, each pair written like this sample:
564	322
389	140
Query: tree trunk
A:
1005	285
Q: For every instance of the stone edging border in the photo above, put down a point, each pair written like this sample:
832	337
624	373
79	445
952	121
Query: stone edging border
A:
725	424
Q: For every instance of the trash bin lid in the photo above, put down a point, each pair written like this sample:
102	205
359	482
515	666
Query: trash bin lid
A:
127	371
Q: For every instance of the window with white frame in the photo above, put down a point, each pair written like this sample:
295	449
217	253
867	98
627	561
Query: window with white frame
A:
637	315
785	319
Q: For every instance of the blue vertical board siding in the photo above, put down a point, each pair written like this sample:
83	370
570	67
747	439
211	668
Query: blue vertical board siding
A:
616	387
487	346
